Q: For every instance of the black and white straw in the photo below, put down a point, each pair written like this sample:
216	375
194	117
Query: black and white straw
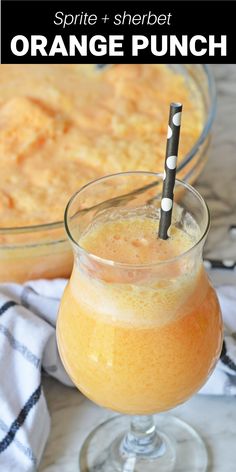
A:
172	146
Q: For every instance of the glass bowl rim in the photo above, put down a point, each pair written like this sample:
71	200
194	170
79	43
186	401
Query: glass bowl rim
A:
59	224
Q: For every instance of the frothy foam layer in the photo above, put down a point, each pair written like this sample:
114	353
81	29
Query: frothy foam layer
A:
137	296
134	240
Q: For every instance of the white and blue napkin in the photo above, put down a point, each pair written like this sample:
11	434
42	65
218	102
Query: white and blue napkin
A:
28	346
223	379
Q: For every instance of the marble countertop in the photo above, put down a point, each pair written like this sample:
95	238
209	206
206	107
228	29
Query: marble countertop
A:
73	416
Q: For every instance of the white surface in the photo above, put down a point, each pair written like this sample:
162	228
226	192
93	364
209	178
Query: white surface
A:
73	416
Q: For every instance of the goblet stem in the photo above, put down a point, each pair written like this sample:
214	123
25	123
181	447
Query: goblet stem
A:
143	439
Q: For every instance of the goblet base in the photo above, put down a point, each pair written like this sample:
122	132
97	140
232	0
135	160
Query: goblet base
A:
176	447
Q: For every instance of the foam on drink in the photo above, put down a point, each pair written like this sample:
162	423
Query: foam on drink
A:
133	296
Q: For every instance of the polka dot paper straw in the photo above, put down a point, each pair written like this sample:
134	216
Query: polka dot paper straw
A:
170	169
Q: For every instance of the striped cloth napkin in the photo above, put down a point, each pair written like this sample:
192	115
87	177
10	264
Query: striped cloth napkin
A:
28	344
